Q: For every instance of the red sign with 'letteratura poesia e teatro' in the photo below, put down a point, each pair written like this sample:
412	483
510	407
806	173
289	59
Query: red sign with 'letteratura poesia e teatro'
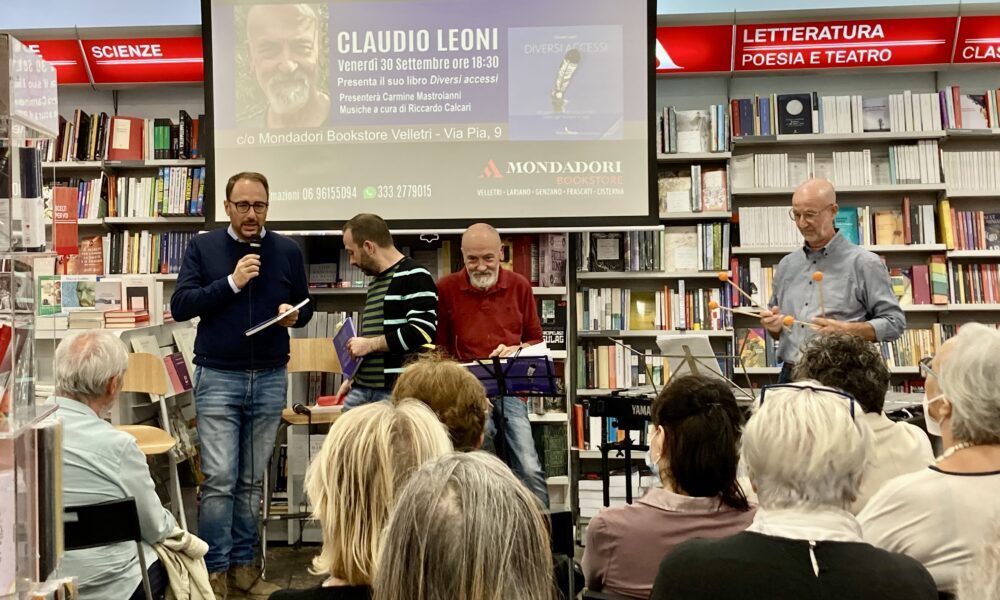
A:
844	44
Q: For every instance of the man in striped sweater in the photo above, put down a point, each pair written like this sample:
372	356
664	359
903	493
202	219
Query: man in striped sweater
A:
400	314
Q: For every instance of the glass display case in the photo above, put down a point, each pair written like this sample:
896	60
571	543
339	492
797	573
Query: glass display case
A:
30	437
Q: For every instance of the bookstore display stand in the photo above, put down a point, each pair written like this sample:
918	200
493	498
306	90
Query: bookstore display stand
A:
30	437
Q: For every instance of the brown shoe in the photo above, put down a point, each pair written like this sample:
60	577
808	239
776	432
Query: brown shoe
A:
220	584
247	579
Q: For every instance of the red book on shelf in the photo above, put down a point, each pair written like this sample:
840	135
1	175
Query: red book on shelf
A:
126	138
921	285
64	228
907	234
578	439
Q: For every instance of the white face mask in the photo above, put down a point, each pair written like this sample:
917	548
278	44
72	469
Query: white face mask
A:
933	427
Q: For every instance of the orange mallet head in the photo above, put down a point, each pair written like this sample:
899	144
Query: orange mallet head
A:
723	276
712	305
788	320
818	276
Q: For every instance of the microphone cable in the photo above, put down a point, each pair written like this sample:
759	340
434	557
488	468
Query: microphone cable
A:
255	245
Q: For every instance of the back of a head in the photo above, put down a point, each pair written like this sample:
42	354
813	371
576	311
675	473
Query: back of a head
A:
970	380
452	392
804	450
849	363
465	529
702	424
369	227
85	361
366	459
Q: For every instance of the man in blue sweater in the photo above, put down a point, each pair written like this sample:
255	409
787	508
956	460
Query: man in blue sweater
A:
234	278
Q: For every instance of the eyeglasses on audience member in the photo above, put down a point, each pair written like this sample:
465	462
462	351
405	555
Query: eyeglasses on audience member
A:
812	388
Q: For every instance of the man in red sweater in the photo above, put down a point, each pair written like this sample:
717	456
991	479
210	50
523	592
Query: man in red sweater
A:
486	311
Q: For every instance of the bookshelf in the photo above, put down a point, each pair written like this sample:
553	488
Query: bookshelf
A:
702	91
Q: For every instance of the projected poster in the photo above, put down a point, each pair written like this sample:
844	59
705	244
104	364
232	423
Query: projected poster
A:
430	110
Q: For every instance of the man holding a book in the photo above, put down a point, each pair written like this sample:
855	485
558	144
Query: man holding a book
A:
398	318
830	285
486	311
234	279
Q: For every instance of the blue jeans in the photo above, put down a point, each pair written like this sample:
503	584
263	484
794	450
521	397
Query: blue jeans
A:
360	395
520	445
238	417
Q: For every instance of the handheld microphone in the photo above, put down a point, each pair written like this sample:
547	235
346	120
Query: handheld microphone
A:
563	76
254	242
301	409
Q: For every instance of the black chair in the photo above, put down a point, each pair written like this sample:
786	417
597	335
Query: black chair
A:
106	523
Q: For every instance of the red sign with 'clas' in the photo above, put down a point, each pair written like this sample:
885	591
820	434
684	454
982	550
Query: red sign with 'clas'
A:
145	60
694	49
65	56
978	40
835	44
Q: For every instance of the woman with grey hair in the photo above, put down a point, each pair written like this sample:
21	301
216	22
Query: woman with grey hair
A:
100	464
805	448
938	515
465	528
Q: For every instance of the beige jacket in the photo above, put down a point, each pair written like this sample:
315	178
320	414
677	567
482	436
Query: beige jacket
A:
183	556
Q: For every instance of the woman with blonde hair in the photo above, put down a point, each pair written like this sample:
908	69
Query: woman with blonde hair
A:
465	529
366	459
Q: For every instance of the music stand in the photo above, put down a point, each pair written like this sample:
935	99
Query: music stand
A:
510	376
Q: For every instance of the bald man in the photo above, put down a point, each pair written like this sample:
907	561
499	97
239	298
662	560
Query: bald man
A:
284	45
857	295
486	311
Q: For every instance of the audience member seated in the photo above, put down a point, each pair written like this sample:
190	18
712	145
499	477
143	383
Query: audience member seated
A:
465	529
856	366
353	483
100	463
453	393
694	441
938	515
806	449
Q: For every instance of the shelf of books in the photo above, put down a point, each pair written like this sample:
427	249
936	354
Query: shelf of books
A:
917	173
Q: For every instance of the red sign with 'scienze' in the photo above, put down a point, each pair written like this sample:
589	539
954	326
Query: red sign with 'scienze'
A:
844	44
694	49
65	56
145	60
978	40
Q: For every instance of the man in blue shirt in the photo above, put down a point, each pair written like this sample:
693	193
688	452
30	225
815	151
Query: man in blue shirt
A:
233	279
101	464
857	296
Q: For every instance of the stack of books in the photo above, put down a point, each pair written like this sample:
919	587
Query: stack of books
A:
125	319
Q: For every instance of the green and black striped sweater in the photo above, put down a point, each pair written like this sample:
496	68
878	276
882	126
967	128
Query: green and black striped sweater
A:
402	305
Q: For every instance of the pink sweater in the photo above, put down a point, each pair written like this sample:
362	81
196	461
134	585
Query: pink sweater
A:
625	544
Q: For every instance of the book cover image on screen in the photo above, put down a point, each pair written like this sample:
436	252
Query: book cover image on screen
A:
430	112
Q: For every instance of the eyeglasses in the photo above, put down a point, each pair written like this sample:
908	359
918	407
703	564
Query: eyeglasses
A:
807	216
798	386
244	207
925	367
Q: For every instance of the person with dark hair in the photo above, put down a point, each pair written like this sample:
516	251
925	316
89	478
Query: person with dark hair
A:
400	314
232	279
856	366
694	440
805	449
